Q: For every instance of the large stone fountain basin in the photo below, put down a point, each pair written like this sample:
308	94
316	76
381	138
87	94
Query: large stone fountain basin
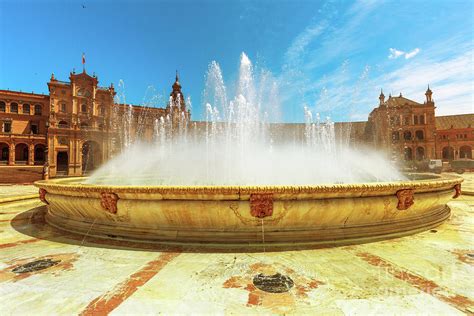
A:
279	215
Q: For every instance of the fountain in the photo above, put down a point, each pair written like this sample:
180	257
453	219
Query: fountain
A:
239	178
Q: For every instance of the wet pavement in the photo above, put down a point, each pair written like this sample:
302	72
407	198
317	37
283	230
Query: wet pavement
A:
46	271
8	191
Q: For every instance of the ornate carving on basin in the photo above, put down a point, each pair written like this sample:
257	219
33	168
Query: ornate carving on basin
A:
261	204
42	195
457	189
405	198
108	201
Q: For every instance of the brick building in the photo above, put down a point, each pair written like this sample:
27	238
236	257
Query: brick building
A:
78	126
407	130
73	129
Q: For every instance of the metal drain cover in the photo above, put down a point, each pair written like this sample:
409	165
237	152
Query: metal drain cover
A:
276	283
37	265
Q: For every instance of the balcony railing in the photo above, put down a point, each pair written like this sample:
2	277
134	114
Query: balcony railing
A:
23	135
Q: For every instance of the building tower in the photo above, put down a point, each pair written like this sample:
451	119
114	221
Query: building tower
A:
428	94
176	108
176	96
381	97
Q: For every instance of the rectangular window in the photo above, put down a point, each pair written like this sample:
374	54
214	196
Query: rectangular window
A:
13	108
38	109
34	129
63	107
7	127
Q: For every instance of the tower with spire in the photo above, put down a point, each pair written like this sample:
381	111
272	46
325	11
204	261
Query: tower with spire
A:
381	97
176	107
428	94
176	96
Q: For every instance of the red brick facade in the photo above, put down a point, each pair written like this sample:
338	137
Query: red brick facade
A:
407	130
72	130
75	128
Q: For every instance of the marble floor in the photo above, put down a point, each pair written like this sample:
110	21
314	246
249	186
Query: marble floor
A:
44	271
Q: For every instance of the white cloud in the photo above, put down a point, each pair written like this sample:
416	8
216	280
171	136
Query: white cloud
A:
351	91
297	47
451	80
395	53
413	53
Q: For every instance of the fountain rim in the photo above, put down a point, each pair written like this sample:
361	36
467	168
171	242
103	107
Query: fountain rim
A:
436	182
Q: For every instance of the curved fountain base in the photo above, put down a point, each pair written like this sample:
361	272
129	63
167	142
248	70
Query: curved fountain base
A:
332	214
320	236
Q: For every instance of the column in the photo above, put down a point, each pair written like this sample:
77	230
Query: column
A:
31	154
11	158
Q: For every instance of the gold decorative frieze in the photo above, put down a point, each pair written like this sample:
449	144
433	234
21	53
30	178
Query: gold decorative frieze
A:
73	186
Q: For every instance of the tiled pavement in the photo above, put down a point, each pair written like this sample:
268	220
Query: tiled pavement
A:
428	273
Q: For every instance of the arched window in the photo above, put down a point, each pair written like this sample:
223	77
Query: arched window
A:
422	119
407	135
395	120
38	109
407	120
21	154
84	107
102	110
408	154
419	135
420	153
63	124
448	153
4	153
39	154
63	107
26	108
3	107
465	152
415	118
13	107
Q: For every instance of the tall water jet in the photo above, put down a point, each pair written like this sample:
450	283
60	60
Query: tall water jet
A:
239	179
237	144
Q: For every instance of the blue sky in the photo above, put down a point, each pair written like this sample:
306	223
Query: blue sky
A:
332	56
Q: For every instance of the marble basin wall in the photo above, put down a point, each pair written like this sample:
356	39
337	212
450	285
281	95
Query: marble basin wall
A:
235	215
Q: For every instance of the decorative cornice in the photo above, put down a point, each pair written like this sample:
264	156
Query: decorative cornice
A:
71	185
